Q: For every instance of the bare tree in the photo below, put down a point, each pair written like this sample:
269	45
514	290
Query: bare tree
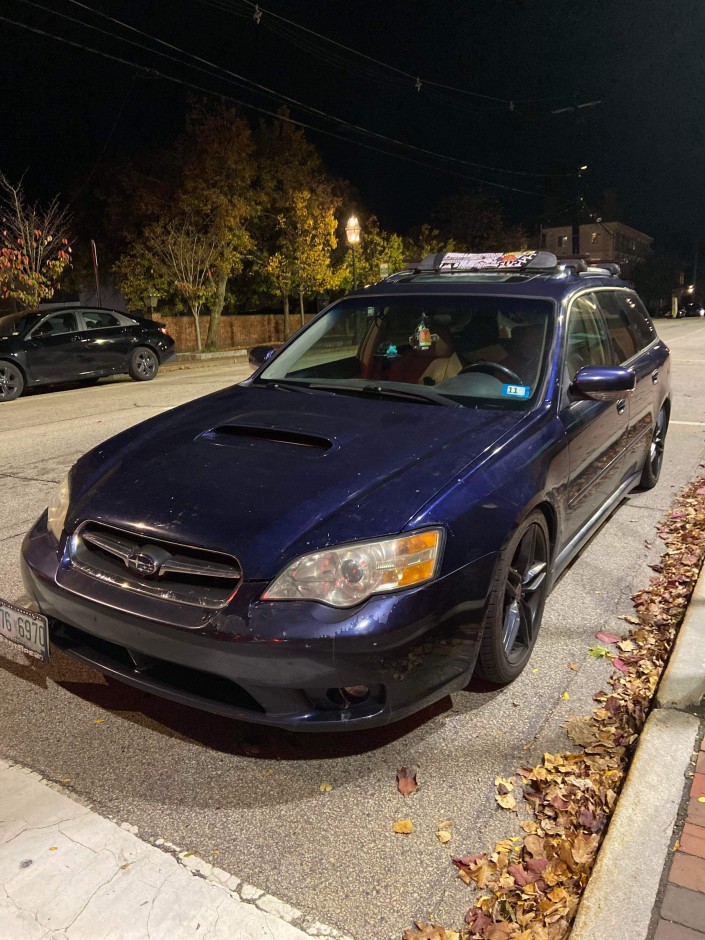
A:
173	256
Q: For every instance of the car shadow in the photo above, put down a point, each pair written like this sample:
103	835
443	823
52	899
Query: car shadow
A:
228	735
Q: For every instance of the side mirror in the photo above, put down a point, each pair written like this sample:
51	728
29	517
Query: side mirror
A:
604	383
259	355
41	331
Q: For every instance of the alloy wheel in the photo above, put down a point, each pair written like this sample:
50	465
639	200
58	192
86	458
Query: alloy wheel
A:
658	442
11	383
146	363
524	591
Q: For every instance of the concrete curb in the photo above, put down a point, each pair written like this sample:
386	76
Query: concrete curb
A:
682	685
623	887
199	357
626	878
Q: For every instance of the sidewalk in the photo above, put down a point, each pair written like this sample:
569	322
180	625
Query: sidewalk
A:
67	873
682	911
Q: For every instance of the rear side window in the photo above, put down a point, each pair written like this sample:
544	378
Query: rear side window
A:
99	319
628	325
639	320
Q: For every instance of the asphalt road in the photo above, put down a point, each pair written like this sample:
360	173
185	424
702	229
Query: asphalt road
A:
249	800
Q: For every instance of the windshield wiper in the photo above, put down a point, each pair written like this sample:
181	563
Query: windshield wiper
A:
281	385
380	391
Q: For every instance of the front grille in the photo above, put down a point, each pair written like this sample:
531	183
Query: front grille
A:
157	568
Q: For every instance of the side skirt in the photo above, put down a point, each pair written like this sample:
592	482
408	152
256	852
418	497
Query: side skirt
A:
564	558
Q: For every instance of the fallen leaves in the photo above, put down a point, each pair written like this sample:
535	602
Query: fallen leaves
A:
443	836
532	885
325	787
424	931
504	795
406	781
606	637
403	826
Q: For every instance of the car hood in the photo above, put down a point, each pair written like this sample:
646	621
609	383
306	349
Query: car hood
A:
268	474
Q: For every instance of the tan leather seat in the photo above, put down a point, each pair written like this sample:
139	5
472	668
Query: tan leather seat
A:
446	363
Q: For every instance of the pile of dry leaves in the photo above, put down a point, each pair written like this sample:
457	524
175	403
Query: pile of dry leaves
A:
532	884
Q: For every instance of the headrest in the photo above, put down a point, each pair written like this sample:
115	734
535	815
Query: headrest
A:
526	340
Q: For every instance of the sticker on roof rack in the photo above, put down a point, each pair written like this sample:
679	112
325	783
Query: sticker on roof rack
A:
507	260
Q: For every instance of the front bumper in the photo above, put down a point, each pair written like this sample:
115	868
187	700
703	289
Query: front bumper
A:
278	663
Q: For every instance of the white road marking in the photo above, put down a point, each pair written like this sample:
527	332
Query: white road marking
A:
692	424
677	339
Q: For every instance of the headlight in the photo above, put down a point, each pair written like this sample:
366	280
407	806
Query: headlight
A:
348	574
58	507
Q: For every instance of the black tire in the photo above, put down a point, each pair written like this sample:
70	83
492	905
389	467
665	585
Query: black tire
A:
143	365
516	603
11	381
654	459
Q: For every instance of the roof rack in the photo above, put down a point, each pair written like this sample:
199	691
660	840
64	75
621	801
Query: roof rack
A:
453	262
582	264
605	267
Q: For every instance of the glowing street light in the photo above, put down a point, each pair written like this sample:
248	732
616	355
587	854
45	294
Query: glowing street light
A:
352	233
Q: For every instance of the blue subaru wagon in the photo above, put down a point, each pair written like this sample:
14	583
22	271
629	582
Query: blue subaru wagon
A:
377	513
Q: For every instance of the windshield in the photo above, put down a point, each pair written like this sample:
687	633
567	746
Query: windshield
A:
474	350
15	324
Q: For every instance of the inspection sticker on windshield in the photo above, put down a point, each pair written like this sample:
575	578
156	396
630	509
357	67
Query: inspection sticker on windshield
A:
25	628
517	391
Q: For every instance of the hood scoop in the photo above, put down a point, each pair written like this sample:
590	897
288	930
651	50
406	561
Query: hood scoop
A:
226	434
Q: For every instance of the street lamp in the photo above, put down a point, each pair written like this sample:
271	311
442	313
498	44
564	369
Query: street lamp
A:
151	297
352	233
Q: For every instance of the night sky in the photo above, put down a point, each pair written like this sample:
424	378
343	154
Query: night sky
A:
491	76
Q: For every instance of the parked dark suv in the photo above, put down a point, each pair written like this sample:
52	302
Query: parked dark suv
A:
70	344
375	514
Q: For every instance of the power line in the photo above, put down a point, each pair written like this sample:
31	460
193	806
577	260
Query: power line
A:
230	76
262	16
277	116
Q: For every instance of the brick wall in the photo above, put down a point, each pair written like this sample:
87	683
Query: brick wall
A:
233	332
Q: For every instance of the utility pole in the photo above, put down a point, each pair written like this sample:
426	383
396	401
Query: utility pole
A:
577	213
695	268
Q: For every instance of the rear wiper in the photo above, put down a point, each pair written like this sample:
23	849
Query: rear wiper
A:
379	391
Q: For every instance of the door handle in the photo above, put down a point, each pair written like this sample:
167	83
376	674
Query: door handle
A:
621	405
654	376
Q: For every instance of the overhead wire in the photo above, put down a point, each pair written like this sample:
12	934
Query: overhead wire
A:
273	114
229	75
262	16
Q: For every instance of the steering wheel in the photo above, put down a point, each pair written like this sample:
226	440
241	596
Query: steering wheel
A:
492	368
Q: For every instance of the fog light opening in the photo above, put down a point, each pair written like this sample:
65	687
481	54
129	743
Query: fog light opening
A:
349	695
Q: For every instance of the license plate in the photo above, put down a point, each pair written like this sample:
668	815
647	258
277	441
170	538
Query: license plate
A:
25	628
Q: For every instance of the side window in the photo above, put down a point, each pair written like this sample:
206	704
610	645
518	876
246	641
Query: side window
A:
56	325
639	319
99	319
586	342
625	341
